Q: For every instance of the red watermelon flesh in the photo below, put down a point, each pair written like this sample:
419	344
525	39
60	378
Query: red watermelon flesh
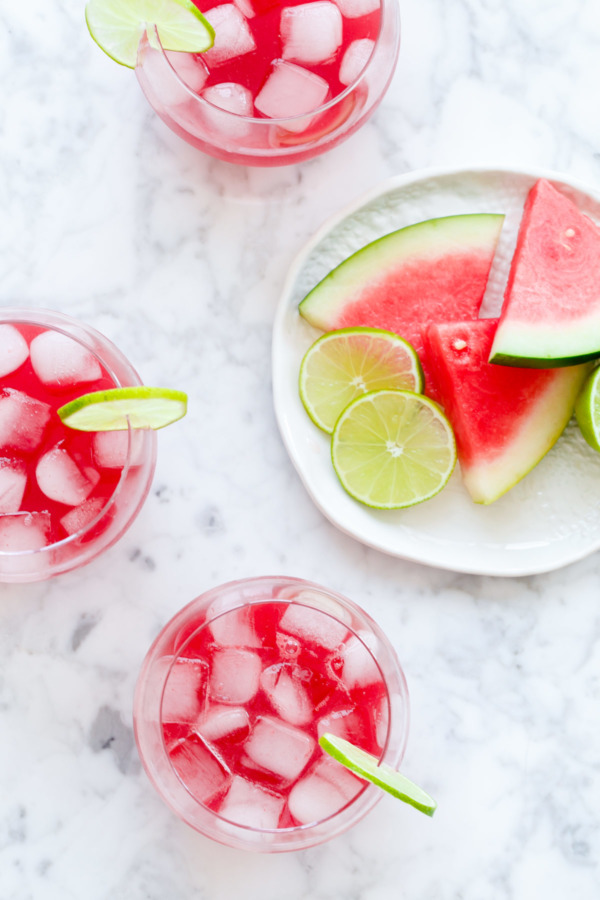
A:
432	271
551	310
505	419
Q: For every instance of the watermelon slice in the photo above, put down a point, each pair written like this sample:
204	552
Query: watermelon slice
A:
551	310
433	271
505	419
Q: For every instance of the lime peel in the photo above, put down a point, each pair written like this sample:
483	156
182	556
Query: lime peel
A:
380	774
587	409
117	26
117	409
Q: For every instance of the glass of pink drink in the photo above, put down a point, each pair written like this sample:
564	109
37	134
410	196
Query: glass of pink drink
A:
65	495
283	82
234	694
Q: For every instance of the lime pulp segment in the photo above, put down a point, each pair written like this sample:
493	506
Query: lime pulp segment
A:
118	25
366	765
587	409
342	365
119	408
393	449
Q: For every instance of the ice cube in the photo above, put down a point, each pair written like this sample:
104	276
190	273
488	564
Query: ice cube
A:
359	668
353	9
224	721
80	516
24	531
346	723
347	783
246	8
382	722
313	626
317	600
251	805
286	694
185	689
355	59
323	792
13	349
109	448
311	32
23	420
231	627
202	771
232	34
234	675
13	479
290	90
233	98
60	478
279	748
60	361
157	80
190	68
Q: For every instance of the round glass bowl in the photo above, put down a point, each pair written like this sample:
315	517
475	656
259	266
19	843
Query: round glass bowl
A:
88	526
233	695
259	141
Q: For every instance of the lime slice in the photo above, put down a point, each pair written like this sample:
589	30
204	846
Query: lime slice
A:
342	365
587	410
392	449
382	775
115	409
118	25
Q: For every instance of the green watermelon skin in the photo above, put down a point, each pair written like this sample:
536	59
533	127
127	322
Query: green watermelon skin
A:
505	419
432	271
551	311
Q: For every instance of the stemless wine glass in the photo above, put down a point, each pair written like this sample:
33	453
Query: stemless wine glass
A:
236	690
256	140
95	484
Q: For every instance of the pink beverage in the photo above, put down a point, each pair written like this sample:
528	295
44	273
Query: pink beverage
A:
234	695
283	82
65	495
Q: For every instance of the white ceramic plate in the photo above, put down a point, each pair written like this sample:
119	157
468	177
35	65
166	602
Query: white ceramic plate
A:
549	519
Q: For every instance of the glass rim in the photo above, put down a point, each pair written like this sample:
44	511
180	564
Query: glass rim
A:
385	6
369	792
13	314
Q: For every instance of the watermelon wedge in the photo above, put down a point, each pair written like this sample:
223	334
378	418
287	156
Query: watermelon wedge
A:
551	310
433	271
505	419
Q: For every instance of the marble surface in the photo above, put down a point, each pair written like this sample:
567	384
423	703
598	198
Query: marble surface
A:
180	259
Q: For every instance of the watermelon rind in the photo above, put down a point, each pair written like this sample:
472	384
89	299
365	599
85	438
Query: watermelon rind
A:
492	478
542	345
428	240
